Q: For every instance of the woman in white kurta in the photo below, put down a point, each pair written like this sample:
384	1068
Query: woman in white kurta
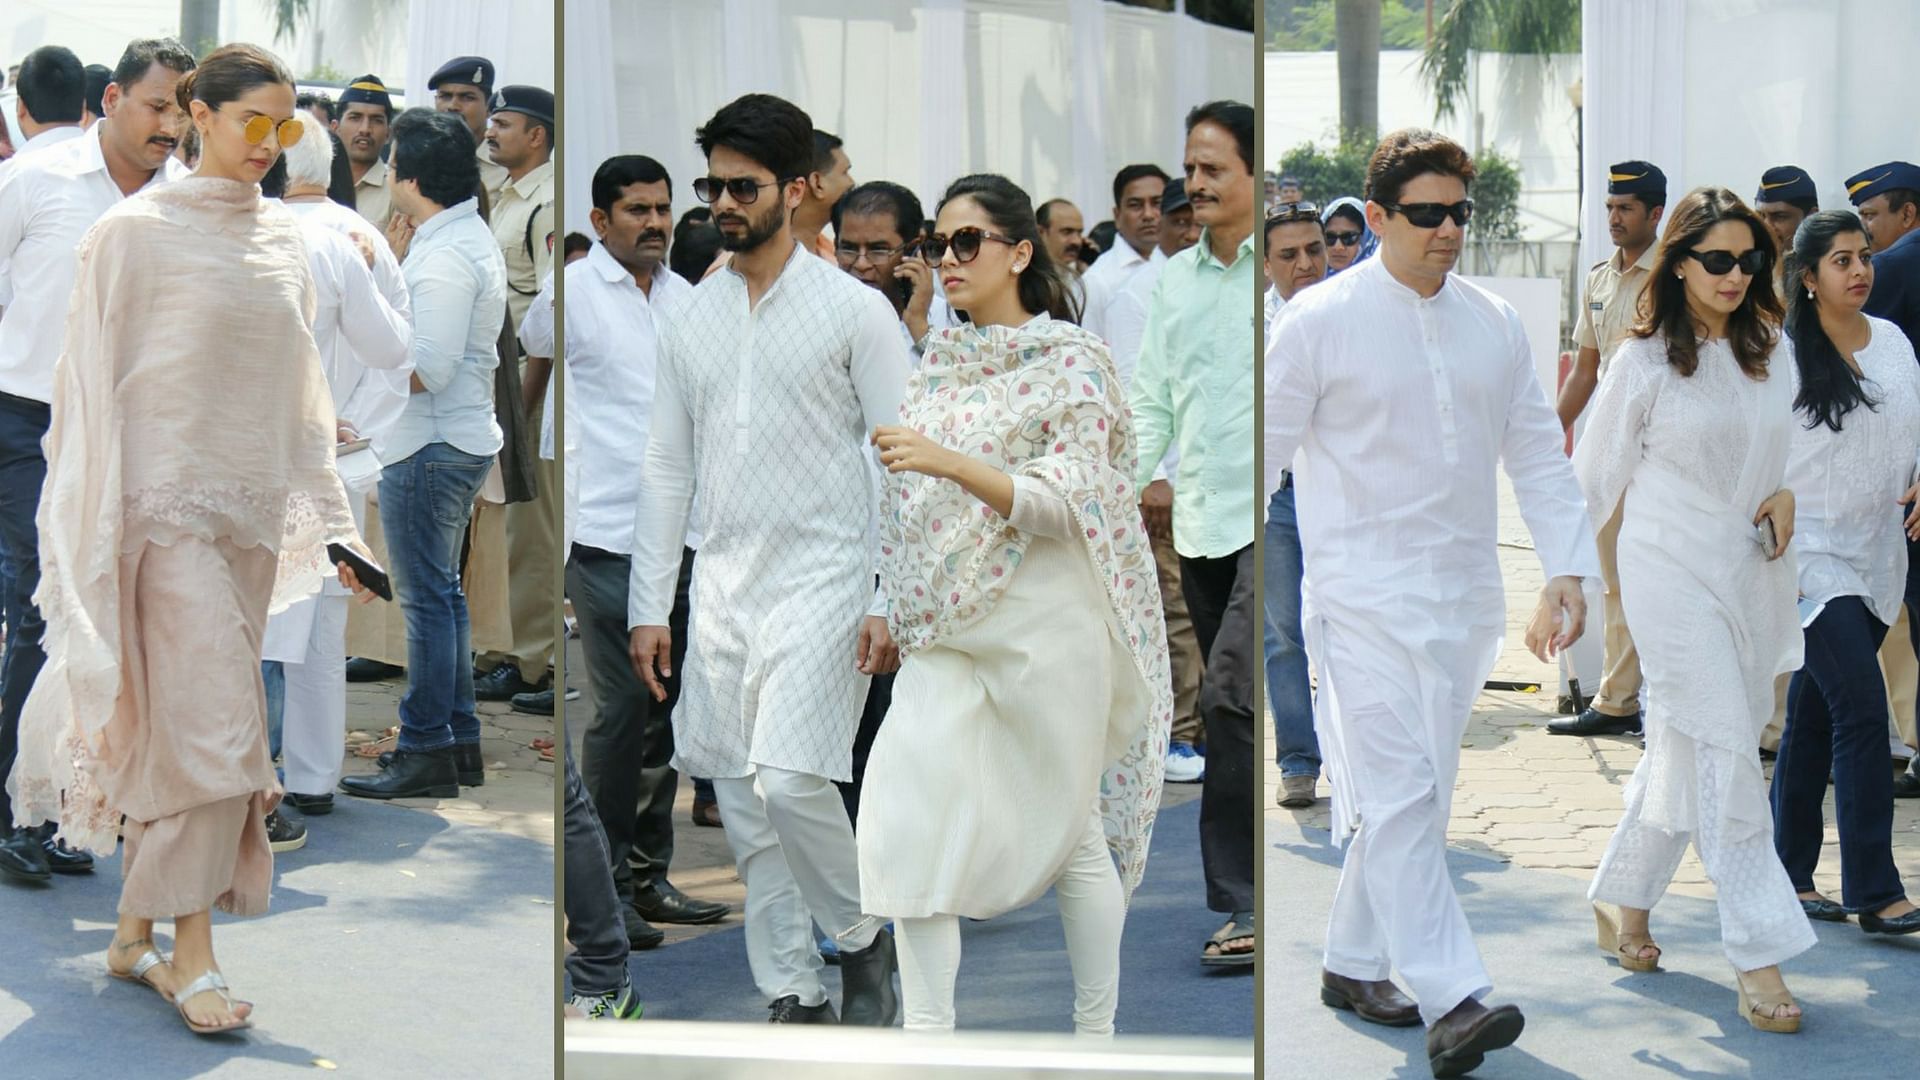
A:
1692	426
1857	428
1029	723
170	525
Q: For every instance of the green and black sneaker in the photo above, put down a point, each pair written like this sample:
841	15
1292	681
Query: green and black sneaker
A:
621	1004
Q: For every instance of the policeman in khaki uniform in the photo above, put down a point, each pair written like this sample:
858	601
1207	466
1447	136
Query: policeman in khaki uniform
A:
1636	197
464	85
520	140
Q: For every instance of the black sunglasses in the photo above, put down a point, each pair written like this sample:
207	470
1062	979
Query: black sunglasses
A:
1429	215
1753	263
1343	239
965	243
744	189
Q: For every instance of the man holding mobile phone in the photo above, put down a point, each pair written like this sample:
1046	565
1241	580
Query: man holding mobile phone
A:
877	234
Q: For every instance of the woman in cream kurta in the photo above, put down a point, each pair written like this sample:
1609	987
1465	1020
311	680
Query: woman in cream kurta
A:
1697	458
172	520
1030	718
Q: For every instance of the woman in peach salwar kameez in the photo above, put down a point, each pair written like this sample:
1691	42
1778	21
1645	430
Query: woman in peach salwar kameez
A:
190	488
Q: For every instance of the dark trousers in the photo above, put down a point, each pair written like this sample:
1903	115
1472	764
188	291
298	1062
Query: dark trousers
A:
23	469
1226	619
879	700
598	964
1837	720
628	746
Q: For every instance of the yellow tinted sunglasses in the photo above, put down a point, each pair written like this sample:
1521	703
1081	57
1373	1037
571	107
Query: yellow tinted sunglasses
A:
255	130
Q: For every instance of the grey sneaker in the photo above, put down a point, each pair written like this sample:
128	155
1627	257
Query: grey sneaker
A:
621	1004
1296	792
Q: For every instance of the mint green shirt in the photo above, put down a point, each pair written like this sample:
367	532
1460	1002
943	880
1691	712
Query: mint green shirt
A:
1193	391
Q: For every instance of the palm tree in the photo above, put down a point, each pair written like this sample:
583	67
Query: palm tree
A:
1356	32
1522	27
287	15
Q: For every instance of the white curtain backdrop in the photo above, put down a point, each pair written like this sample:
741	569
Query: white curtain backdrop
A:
517	35
1056	94
1718	91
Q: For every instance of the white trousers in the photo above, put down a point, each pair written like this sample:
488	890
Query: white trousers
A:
1761	923
313	733
1395	906
1091	912
793	846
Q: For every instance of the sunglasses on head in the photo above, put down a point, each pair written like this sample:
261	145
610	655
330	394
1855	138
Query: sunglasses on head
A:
965	243
1344	239
255	130
1753	263
1287	213
744	189
1429	215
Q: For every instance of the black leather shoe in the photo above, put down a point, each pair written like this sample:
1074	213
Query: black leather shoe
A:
1375	1002
1906	785
22	857
311	805
470	764
640	933
537	703
1823	910
412	774
1460	1040
661	902
1594	722
361	669
60	858
788	1010
867	996
501	684
1899	924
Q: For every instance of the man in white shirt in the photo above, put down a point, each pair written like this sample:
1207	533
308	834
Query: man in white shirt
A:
615	299
876	229
1136	248
440	451
362	325
53	92
772	374
47	203
1404	388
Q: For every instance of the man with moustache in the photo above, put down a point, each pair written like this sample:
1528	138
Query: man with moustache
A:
47	203
1193	391
1785	198
366	111
1296	259
1062	229
616	299
1636	197
1136	218
876	243
520	140
464	86
771	376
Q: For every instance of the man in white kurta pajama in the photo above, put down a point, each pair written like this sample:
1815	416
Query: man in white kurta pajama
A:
765	408
1401	406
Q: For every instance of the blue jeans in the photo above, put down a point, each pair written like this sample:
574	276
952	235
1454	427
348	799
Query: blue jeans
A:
274	674
425	504
1289	689
1837	721
23	469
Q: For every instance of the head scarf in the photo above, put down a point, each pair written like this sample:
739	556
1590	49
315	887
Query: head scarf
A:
1368	241
1040	400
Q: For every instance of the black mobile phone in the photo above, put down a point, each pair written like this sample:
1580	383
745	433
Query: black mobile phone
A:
374	578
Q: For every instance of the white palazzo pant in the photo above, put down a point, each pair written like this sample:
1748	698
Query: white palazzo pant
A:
1761	923
794	849
313	731
1092	913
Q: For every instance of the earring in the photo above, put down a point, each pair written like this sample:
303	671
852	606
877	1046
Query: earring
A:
1809	294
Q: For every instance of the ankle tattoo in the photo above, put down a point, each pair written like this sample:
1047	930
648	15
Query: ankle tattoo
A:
129	946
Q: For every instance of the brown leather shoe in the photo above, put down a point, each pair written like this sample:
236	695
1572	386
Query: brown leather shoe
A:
1375	1002
1464	1037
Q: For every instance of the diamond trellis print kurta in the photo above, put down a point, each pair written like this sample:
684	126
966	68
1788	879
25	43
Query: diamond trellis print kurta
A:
766	413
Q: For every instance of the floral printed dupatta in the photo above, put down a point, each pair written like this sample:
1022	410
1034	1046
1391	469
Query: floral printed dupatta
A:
1041	400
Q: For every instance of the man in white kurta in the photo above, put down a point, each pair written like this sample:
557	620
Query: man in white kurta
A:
765	405
362	325
1403	387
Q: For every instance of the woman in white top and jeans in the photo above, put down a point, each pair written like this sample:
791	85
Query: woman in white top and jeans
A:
1857	404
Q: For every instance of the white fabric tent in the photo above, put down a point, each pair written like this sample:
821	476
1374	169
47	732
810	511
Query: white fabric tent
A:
517	35
1718	91
1056	95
